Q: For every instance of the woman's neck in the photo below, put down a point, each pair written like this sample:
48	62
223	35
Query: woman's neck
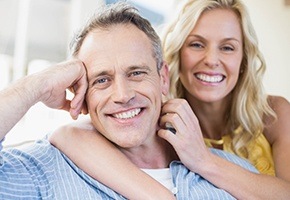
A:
213	117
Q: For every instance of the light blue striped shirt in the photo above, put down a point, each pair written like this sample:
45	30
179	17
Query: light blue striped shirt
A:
41	171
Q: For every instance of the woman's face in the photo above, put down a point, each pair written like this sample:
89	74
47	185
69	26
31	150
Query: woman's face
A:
211	56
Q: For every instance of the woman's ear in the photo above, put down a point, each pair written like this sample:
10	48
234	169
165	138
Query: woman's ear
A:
164	75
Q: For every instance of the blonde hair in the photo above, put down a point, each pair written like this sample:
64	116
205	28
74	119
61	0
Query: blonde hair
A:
249	101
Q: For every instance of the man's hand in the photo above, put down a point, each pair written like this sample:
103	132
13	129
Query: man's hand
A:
50	87
67	75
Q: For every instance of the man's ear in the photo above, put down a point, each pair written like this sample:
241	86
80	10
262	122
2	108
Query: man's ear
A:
164	75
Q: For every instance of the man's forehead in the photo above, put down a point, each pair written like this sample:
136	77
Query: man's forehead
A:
112	70
126	32
118	37
122	46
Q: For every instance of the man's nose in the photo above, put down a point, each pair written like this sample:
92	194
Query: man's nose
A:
122	91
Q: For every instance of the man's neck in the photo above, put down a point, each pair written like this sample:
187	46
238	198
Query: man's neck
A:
153	156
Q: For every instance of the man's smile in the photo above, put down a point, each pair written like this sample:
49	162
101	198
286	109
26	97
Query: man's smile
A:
128	114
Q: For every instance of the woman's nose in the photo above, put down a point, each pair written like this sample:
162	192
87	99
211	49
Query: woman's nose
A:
212	58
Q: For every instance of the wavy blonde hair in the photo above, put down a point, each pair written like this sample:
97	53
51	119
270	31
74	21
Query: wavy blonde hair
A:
249	101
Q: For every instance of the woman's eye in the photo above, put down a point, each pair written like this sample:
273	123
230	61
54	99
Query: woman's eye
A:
227	48
196	45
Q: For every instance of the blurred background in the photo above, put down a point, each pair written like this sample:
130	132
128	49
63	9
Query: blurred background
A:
35	34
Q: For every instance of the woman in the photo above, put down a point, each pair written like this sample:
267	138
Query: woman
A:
215	64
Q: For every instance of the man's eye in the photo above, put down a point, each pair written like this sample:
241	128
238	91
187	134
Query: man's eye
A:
137	73
101	81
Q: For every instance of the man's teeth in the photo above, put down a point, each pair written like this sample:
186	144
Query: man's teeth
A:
129	114
210	79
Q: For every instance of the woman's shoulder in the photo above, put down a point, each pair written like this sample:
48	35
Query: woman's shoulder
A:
280	106
275	127
277	102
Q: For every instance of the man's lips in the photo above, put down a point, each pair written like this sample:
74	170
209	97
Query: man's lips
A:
127	114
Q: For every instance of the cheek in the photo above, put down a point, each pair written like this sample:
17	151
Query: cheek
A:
233	73
152	91
149	85
234	66
187	66
93	100
187	60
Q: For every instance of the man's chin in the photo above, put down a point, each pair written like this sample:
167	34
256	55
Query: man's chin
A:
128	143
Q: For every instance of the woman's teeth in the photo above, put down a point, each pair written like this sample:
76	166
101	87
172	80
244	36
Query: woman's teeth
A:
209	79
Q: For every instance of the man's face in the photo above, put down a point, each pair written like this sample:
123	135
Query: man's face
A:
125	89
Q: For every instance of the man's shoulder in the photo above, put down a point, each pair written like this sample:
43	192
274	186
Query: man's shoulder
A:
40	171
28	170
40	151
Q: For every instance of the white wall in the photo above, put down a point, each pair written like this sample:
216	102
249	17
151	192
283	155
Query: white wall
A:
271	18
40	120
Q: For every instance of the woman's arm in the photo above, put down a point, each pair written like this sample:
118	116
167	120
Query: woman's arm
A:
258	186
241	183
99	158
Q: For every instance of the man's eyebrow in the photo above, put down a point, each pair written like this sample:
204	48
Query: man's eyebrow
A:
98	73
135	67
109	72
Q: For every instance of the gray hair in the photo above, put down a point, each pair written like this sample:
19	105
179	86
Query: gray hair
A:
113	14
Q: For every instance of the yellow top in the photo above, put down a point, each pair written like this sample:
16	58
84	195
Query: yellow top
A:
260	154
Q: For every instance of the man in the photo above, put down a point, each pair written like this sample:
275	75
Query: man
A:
126	80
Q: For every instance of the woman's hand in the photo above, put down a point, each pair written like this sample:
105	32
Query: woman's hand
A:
188	139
